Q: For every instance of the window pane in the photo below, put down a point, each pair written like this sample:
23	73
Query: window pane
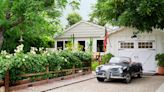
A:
100	46
145	45
59	45
127	45
81	45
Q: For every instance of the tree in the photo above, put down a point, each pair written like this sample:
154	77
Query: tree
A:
141	14
73	18
29	40
37	17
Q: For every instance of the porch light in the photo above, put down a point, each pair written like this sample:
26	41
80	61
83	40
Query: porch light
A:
134	35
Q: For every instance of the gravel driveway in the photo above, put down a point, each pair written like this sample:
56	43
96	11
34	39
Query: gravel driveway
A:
145	84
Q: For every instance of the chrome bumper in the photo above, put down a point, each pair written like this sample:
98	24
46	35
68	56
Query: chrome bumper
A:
116	77
109	76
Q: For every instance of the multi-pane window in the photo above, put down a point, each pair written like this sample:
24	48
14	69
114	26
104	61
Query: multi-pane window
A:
145	45
126	45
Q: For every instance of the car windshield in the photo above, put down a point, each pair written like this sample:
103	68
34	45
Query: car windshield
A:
115	60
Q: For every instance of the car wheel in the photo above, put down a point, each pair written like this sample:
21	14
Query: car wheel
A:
128	78
140	75
100	79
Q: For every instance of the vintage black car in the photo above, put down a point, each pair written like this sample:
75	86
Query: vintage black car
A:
119	68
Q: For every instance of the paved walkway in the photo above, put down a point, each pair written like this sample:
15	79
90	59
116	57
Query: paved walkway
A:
89	84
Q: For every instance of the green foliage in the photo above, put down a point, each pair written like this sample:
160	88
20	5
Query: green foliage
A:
34	19
106	58
160	59
70	60
141	14
94	65
90	44
30	40
84	57
73	18
20	63
69	46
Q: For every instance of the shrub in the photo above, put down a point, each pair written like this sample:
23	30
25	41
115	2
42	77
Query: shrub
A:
70	60
94	65
160	59
106	58
85	57
24	63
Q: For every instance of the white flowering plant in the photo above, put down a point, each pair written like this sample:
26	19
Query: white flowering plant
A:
24	63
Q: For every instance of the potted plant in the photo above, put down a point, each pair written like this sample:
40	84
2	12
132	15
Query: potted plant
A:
160	63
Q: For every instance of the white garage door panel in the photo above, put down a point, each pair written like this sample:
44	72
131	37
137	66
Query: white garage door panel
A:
125	53
147	58
140	54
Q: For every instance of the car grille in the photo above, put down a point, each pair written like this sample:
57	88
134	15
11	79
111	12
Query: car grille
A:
101	72
115	69
115	72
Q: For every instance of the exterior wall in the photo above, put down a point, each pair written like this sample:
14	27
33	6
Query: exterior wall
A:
84	30
87	41
125	35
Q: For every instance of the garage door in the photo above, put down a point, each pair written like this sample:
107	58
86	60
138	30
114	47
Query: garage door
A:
139	51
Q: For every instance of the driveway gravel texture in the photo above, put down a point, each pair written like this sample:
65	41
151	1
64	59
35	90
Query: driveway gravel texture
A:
145	84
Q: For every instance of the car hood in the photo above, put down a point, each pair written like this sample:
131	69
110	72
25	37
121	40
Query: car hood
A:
106	67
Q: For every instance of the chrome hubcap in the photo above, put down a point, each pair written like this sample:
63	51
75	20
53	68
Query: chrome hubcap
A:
128	78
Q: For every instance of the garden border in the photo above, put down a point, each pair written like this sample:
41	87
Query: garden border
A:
75	72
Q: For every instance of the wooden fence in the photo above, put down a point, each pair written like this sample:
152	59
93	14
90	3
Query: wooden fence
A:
73	71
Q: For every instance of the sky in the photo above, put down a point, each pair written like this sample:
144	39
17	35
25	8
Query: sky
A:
85	9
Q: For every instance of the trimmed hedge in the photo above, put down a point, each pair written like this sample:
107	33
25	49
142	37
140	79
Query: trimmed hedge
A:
20	63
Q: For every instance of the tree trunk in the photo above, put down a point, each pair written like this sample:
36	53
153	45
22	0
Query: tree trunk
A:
2	30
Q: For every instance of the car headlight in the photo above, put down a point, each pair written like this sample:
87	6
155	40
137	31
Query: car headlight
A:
98	68
123	68
120	70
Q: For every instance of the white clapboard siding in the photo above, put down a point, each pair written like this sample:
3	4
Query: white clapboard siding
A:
83	29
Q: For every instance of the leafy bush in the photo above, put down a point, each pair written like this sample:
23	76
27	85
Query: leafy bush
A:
106	58
94	65
20	63
85	57
160	59
70	60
